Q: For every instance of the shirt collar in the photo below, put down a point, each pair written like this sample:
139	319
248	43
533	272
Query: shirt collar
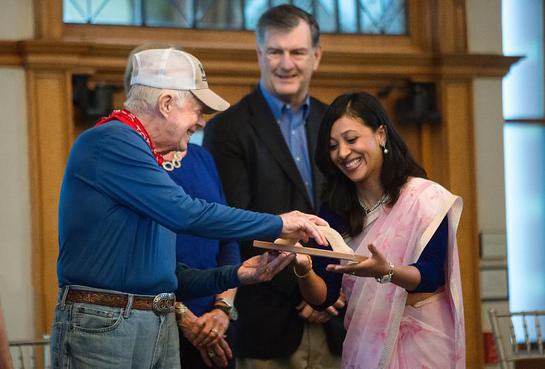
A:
278	106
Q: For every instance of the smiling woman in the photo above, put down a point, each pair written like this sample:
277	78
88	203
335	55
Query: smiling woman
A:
358	139
356	150
405	226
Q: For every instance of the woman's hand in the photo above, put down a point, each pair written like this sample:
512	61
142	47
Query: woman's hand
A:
375	266
302	265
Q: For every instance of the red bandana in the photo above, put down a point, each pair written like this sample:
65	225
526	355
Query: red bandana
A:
128	118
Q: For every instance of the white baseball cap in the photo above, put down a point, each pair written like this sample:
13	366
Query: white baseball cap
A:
175	70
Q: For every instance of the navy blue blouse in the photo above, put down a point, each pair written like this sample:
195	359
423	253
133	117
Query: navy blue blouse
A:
431	262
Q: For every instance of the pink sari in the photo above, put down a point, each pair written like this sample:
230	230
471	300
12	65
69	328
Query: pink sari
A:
383	332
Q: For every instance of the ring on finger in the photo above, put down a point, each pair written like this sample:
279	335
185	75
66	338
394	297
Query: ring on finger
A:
214	332
211	354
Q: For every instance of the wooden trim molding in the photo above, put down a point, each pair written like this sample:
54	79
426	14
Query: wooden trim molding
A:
239	63
48	19
229	40
448	26
9	54
50	25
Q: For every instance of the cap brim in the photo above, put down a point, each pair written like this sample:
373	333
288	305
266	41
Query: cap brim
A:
212	101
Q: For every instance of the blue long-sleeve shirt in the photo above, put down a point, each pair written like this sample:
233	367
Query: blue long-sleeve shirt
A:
196	283
199	178
118	212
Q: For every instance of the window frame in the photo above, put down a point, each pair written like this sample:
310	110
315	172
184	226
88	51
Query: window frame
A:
50	25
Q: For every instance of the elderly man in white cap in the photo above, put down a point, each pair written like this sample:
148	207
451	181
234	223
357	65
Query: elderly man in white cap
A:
118	215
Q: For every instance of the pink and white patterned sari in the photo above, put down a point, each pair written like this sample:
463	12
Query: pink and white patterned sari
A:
382	331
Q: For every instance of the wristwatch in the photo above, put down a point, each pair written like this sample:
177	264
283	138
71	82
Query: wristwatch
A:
227	307
387	278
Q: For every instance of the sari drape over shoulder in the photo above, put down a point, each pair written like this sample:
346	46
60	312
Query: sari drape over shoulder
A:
384	332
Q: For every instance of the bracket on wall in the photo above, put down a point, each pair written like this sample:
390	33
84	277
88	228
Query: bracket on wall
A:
418	105
91	102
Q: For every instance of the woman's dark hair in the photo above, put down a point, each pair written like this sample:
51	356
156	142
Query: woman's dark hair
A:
339	192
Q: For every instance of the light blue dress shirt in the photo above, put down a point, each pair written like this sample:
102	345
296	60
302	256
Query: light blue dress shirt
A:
293	126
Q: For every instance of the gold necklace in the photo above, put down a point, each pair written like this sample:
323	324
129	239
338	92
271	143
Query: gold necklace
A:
175	163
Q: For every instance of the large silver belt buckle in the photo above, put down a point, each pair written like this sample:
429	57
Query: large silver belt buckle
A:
163	303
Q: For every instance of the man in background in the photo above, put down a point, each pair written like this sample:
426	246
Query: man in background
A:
264	149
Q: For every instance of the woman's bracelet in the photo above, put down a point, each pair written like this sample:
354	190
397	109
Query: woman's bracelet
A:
308	271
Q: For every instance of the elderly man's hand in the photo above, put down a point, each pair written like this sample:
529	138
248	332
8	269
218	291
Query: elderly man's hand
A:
301	226
264	267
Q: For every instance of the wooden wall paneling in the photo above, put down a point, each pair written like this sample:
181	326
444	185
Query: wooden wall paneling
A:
420	23
232	92
418	39
410	132
48	20
452	164
226	41
50	137
448	26
35	172
429	133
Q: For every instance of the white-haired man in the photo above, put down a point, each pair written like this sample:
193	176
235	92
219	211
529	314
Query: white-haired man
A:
118	215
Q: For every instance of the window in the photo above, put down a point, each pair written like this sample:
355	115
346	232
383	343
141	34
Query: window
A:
376	17
524	143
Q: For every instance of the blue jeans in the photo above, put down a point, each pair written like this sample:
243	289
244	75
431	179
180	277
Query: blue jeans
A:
88	336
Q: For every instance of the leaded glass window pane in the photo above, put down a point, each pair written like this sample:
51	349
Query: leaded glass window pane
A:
388	17
167	13
119	12
226	14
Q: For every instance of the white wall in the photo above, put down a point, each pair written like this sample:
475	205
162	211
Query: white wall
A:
16	20
484	37
16	291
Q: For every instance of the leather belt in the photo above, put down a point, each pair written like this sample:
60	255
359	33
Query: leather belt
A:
162	303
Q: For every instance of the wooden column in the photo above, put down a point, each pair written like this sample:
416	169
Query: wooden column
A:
452	163
48	22
50	137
